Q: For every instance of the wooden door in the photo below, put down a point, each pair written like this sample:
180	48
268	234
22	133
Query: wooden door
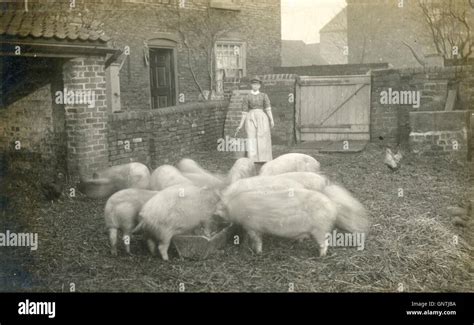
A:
333	108
162	78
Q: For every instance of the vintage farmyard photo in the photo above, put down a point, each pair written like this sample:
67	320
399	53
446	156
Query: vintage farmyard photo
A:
236	146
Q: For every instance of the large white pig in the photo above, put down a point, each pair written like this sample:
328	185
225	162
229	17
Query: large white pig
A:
198	175
291	162
296	214
351	214
176	210
260	183
121	213
242	168
310	181
110	180
208	180
166	176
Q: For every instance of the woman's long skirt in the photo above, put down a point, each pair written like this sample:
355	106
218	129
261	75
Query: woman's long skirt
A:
259	140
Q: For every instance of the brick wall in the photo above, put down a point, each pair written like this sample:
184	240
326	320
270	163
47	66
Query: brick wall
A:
391	123
30	116
86	125
278	87
130	23
331	70
443	131
165	135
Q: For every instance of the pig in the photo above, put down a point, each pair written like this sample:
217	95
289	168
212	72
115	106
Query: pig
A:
166	176
310	181
176	210
198	175
291	162
242	168
187	165
352	216
302	214
110	180
121	213
261	183
208	180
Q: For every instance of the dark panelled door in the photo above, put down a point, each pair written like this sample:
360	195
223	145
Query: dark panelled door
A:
162	78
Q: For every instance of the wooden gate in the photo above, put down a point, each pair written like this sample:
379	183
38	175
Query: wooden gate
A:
333	108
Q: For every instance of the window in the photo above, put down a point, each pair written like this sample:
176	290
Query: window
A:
226	4
230	62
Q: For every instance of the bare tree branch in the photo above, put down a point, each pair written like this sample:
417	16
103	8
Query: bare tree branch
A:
417	57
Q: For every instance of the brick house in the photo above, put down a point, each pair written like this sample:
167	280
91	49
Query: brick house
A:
147	63
333	39
378	29
296	53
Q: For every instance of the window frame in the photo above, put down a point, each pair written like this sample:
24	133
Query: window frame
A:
243	47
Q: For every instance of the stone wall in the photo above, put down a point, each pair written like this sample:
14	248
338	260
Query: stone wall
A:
434	132
165	135
390	123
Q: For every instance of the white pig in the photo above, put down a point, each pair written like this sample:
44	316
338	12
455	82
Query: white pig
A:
351	214
261	183
187	165
303	213
198	175
208	180
291	162
110	180
173	211
121	212
310	181
166	176
242	168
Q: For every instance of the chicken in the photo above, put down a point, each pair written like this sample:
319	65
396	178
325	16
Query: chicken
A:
53	190
392	160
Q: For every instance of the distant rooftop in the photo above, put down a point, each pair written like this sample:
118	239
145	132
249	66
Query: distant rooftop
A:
337	24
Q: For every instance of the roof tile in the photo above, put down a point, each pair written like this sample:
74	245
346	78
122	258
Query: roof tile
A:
63	26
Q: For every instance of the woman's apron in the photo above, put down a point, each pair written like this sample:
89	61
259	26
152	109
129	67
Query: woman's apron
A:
259	140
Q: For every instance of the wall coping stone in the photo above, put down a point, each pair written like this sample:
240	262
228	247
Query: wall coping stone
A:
183	108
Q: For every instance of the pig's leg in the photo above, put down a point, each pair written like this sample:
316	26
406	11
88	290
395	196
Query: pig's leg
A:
151	246
164	245
126	239
113	241
320	237
256	239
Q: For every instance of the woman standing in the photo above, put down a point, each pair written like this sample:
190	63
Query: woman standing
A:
257	116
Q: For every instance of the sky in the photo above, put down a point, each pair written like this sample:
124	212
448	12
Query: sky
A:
302	19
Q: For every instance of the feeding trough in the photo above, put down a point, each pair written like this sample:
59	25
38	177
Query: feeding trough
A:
198	246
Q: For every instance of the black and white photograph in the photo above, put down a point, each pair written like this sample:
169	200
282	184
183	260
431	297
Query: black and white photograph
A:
237	146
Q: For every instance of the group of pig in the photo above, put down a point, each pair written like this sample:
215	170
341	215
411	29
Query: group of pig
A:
289	198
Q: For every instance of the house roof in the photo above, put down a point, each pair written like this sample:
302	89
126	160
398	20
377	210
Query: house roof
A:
50	25
337	24
298	53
